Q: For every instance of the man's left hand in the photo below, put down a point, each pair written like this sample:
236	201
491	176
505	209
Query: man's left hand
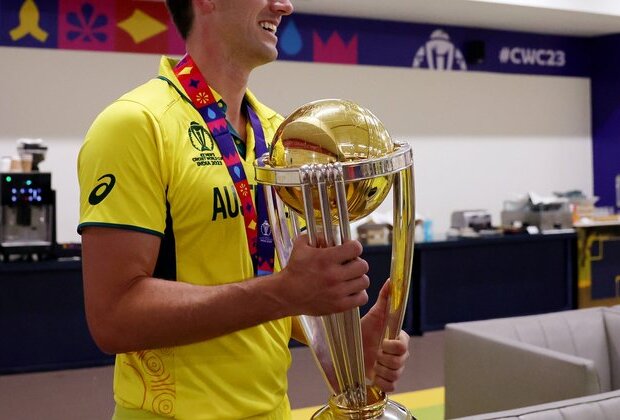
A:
384	359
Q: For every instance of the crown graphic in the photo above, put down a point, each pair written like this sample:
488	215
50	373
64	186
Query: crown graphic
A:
230	159
218	126
334	50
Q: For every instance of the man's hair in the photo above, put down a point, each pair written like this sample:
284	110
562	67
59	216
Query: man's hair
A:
182	15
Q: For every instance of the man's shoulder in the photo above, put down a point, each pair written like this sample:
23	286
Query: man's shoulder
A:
155	96
146	105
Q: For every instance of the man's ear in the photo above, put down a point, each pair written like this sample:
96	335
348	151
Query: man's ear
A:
204	6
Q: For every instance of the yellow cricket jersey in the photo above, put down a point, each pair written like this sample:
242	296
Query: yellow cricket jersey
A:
148	163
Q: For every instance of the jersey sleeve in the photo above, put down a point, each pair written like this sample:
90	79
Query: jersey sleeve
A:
120	171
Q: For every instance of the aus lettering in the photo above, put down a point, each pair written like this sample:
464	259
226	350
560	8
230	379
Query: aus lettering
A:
226	203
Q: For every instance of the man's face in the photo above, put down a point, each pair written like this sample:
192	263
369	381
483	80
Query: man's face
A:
249	27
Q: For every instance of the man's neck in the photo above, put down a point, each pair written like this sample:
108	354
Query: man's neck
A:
228	78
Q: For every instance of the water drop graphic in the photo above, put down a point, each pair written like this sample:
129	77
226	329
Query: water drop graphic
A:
211	114
291	42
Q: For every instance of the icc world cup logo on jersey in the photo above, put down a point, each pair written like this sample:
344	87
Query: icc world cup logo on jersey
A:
265	230
200	137
201	140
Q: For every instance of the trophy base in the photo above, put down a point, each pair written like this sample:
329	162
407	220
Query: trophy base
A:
379	407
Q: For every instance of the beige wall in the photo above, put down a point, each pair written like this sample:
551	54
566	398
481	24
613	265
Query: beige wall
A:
478	138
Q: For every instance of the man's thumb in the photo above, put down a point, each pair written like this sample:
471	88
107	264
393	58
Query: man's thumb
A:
384	295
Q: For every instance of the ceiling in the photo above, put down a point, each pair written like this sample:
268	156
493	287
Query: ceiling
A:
472	13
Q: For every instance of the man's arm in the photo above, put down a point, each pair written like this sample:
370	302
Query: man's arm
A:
127	309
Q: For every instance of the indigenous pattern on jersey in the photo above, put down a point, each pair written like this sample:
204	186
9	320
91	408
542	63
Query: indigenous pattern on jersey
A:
148	159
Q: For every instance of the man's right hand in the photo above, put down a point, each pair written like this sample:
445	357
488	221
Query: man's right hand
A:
321	281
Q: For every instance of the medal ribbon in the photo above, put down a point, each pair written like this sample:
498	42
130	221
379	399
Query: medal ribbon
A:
198	90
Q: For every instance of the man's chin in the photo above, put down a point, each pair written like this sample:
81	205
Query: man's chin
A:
267	57
271	54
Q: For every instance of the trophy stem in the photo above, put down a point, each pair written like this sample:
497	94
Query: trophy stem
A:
352	323
342	330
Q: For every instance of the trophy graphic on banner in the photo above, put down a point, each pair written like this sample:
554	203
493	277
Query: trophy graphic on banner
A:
333	162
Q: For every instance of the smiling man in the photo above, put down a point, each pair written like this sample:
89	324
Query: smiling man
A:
176	280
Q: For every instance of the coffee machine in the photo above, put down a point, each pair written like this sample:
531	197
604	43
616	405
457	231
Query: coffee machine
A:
27	209
27	214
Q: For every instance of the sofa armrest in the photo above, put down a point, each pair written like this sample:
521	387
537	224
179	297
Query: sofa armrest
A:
485	373
612	327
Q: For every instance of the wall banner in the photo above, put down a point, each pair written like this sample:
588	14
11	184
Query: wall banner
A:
434	47
94	25
144	26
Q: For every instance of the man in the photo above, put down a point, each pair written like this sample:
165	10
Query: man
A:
161	201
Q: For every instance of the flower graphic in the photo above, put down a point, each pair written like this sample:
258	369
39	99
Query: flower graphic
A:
202	97
87	26
243	189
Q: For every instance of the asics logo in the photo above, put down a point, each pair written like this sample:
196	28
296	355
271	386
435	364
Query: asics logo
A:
101	190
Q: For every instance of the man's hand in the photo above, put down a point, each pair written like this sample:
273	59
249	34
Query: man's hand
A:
321	281
384	359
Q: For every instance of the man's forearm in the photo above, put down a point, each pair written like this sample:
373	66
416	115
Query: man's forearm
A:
155	313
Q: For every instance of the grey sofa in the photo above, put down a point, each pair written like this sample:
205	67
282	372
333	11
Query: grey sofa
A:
507	363
605	406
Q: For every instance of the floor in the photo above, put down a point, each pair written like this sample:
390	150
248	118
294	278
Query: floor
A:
86	394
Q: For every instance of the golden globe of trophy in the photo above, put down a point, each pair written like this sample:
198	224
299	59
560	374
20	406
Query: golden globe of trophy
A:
333	162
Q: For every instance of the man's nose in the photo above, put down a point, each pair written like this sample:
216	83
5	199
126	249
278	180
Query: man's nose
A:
284	7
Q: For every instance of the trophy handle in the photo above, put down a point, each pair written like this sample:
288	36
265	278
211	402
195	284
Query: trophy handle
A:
402	250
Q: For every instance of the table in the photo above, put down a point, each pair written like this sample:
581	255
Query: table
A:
480	278
42	318
44	327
